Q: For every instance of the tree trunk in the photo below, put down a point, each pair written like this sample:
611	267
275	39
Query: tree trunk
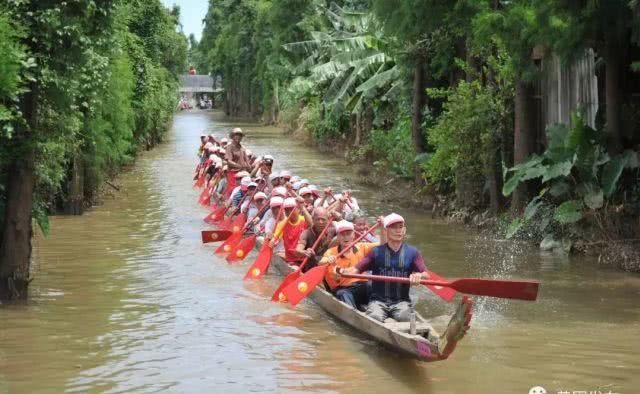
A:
15	249
358	127
419	100
494	177
523	143
614	96
75	196
15	245
275	103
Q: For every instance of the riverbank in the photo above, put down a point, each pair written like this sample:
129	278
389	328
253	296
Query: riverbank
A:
622	254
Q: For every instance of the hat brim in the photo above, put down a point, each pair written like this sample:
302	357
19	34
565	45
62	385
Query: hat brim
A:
392	222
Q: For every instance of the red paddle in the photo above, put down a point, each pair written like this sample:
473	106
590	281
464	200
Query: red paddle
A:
215	235
277	295
261	264
297	290
512	289
242	249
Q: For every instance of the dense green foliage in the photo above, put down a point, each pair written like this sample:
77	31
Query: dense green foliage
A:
83	86
449	87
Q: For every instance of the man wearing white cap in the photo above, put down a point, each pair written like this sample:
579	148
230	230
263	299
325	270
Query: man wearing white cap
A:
247	186
393	258
353	292
308	196
289	230
268	221
254	208
263	167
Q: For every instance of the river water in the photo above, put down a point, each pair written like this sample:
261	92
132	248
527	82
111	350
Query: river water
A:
127	299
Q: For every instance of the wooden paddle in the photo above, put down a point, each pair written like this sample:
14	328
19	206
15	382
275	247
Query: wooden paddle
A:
299	288
512	289
223	234
296	274
242	249
261	265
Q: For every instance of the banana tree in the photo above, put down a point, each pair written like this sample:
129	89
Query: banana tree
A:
349	62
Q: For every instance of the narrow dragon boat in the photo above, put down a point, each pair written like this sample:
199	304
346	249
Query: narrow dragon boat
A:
425	345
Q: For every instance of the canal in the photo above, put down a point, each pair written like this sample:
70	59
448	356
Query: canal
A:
127	299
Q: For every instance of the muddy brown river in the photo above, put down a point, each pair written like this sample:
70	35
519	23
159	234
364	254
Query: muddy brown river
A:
127	299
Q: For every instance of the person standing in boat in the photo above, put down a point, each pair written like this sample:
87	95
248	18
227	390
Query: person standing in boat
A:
392	258
237	159
353	292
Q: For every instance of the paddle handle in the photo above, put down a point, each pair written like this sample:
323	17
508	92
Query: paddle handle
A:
395	279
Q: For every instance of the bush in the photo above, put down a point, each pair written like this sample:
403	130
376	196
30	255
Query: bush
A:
393	149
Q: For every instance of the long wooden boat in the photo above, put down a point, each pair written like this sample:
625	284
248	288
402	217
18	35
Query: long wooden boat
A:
426	345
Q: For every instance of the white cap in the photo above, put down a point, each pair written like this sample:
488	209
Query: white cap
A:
273	176
245	181
297	185
305	190
212	157
279	191
268	157
285	174
203	135
237	130
391	219
290	202
253	184
343	225
295	178
276	201
314	189
304	181
259	196
242	174
224	141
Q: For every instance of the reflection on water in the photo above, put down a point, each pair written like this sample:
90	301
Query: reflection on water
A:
127	299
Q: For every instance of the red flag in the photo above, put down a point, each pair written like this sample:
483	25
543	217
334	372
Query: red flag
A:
261	265
242	249
301	287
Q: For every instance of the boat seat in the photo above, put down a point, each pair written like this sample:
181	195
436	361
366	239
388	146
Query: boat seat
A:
421	327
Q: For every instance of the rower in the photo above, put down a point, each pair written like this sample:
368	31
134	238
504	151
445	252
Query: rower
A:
353	292
236	158
360	225
393	258
247	186
320	220
268	221
253	209
308	196
289	229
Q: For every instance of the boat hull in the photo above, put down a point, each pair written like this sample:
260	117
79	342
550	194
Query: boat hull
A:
426	345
